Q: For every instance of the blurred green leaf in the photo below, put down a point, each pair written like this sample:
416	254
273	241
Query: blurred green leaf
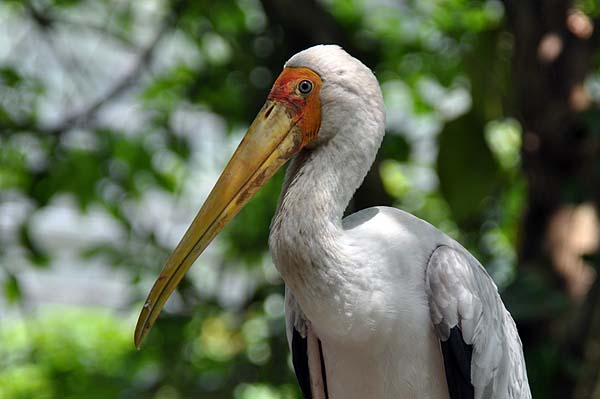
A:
467	171
36	254
12	289
9	77
394	146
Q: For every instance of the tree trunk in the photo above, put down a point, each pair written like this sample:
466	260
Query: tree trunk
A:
553	49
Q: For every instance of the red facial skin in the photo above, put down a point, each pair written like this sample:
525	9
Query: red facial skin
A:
305	107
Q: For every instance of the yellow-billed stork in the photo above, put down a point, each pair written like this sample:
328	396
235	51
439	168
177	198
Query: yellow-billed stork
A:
379	304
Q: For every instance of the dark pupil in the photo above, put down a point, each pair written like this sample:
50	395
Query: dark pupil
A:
305	86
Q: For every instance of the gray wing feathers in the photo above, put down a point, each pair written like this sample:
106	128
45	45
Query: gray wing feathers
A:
462	294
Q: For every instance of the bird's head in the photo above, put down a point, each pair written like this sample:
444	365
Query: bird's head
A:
319	90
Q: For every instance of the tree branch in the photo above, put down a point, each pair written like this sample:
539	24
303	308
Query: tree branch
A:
89	112
127	80
118	37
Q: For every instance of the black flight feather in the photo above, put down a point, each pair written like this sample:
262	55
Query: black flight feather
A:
300	361
457	362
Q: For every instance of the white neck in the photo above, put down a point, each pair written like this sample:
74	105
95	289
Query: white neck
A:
306	232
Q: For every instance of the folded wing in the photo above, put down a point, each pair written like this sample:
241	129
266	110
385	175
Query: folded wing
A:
482	351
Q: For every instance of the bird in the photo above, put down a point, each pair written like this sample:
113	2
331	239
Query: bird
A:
379	304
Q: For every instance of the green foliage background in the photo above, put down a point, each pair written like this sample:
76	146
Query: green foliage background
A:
451	156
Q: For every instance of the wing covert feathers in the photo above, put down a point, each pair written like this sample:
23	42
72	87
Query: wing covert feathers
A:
465	305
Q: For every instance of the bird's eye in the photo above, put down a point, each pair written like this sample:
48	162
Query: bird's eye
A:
305	87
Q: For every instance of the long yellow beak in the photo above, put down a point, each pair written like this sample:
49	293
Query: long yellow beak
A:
270	141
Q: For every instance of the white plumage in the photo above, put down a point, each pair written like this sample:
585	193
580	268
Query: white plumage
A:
382	287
